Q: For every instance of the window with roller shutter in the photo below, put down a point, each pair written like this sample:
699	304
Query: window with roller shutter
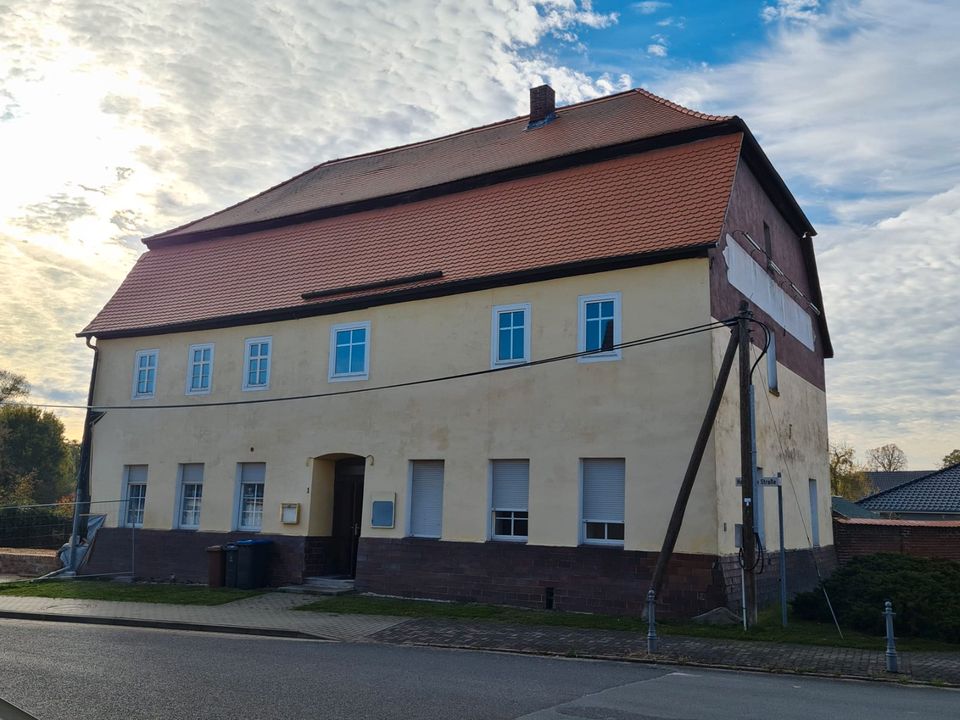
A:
511	487
602	500
426	498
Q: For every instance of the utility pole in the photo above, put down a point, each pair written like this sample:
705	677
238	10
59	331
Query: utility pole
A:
747	466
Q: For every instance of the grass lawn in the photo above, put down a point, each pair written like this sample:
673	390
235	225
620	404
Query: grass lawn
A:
128	592
768	629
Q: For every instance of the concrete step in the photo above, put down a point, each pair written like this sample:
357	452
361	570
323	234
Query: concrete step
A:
321	586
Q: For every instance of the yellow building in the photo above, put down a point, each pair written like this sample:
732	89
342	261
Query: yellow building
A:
415	367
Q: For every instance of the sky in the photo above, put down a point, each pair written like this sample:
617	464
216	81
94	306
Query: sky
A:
120	119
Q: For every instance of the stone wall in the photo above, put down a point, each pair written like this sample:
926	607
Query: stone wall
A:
28	562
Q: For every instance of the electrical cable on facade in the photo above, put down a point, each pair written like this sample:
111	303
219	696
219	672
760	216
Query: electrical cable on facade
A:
649	340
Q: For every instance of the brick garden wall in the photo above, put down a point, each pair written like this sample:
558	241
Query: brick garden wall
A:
583	579
28	562
933	539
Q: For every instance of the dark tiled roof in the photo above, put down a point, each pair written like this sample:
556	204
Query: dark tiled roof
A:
885	480
611	120
938	492
658	202
849	509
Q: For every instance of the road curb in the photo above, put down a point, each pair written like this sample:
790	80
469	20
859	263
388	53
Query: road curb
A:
652	660
160	625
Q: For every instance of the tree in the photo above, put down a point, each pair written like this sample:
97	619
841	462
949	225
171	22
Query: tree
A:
12	386
886	458
951	458
847	477
34	455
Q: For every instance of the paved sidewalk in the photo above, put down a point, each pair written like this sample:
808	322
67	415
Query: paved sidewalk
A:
267	612
273	613
849	662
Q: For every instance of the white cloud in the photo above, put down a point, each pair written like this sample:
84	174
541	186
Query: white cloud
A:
791	10
120	120
858	110
659	45
649	7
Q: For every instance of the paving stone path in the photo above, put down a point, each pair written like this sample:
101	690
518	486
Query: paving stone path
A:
270	611
924	666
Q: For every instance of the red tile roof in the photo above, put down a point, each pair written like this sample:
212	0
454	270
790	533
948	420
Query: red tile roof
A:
624	117
660	201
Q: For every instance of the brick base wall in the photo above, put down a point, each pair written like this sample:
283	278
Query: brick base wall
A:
933	540
181	555
28	562
801	575
583	579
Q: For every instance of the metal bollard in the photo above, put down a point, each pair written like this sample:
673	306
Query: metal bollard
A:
892	662
651	621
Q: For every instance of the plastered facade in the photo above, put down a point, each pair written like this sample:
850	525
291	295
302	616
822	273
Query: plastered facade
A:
645	407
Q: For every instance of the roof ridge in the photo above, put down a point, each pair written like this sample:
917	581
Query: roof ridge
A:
430	141
909	482
680	108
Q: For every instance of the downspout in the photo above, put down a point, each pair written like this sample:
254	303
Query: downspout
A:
81	506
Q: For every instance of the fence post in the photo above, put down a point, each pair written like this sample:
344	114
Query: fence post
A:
892	664
651	621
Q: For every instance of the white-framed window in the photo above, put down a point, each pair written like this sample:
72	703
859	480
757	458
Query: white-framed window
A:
510	335
200	369
602	500
250	482
189	495
509	516
134	495
256	363
145	374
426	498
599	327
349	352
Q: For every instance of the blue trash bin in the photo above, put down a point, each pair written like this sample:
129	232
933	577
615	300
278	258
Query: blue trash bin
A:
253	563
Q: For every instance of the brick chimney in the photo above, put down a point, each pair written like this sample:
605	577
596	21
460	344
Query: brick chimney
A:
542	105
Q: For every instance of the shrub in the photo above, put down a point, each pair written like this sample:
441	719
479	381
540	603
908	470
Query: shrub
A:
925	594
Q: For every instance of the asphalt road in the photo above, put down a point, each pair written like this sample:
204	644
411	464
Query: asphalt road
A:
55	670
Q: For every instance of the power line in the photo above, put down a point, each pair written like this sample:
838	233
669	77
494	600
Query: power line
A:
672	335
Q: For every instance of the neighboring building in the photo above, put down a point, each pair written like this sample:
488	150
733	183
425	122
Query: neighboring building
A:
935	496
881	480
574	229
847	509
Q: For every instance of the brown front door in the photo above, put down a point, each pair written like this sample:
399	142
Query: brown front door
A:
347	511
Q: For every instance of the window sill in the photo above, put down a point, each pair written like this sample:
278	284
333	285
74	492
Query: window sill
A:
254	388
598	357
512	539
348	378
612	544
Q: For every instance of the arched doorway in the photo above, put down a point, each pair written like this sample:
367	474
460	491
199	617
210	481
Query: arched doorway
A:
347	514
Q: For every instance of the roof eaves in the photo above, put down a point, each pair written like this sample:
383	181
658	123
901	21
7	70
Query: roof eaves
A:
391	296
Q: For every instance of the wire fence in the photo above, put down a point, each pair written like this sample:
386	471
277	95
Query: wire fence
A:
48	531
